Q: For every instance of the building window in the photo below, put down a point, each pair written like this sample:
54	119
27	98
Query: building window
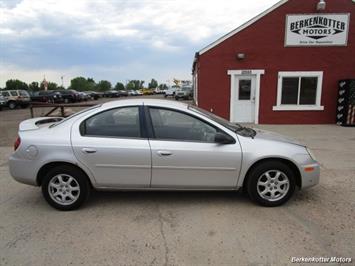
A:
299	91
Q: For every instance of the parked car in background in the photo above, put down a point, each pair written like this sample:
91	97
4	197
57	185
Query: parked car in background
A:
46	97
84	96
123	93
69	96
147	91
132	93
114	146
3	102
169	92
112	94
158	91
93	94
184	93
16	98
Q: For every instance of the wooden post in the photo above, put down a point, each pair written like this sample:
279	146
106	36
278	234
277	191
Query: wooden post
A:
31	110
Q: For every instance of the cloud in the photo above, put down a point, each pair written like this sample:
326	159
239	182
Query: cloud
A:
193	20
52	35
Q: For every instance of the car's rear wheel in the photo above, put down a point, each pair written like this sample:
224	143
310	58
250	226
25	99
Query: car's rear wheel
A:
65	188
271	183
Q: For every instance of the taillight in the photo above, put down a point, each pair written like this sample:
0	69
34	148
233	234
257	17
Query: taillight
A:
17	143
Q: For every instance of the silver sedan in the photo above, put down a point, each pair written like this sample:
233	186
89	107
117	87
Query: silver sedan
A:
156	145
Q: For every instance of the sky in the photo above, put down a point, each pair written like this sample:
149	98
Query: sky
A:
112	40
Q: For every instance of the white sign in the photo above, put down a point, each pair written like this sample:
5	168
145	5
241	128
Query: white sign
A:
317	30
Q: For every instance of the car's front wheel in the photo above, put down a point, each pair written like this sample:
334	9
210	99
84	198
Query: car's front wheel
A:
65	188
12	105
271	183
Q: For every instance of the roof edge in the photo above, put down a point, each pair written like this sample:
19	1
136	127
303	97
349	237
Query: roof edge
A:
242	27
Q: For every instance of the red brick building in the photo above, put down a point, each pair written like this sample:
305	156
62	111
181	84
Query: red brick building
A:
281	67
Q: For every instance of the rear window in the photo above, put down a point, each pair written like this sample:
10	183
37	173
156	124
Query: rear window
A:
76	114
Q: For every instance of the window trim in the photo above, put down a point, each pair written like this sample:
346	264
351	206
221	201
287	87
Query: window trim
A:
149	124
299	107
142	124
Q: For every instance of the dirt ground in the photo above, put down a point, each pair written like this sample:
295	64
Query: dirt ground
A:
184	228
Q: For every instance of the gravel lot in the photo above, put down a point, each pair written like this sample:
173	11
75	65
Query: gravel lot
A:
184	228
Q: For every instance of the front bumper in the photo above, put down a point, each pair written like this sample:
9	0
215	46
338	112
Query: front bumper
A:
310	174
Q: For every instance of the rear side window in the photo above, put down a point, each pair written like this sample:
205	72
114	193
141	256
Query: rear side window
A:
173	125
5	94
120	122
24	93
13	93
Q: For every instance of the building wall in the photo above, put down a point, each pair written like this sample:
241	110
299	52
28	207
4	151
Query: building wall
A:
263	44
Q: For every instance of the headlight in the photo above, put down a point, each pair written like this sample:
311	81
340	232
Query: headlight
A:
311	154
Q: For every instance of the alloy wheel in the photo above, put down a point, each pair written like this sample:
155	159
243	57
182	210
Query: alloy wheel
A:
273	185
64	189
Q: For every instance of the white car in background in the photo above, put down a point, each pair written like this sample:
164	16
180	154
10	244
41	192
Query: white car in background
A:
169	92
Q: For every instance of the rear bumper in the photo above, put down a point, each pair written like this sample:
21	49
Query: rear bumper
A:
310	174
22	171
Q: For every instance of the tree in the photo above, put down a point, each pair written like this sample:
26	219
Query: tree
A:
79	84
163	86
153	84
135	84
52	86
119	86
91	84
130	86
104	85
34	86
15	84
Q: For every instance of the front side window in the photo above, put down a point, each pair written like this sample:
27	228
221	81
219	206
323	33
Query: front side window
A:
299	91
120	122
173	125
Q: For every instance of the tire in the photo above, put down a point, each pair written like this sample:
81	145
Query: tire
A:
12	105
271	183
57	179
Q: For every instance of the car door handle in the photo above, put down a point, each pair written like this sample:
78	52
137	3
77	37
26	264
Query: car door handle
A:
88	150
164	153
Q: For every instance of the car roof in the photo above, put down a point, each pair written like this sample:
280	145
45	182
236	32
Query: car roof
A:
153	102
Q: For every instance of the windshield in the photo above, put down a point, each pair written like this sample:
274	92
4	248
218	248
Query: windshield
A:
74	115
244	131
218	119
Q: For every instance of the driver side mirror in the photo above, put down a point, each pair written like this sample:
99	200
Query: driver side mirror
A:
222	138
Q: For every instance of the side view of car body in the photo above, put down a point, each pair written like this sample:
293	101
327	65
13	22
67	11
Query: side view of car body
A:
156	145
184	93
46	97
169	92
69	96
16	98
3	102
